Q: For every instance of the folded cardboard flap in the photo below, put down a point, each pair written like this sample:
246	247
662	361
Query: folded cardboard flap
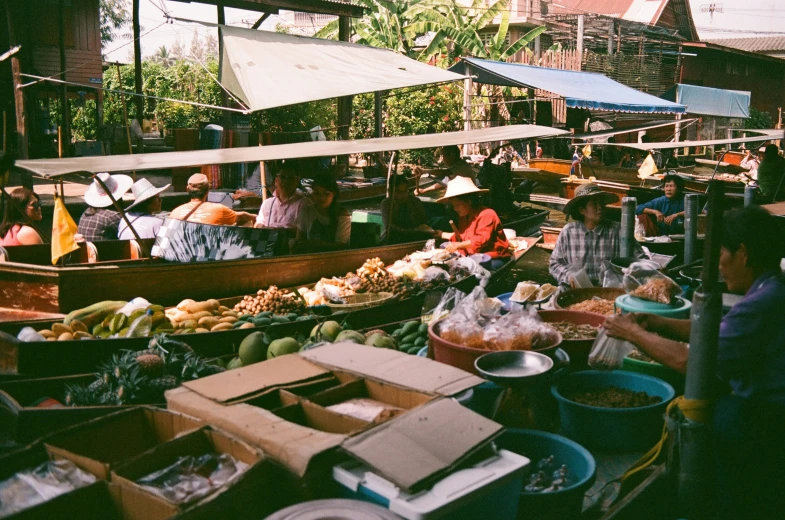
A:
257	379
99	444
422	445
274	400
291	444
391	366
365	388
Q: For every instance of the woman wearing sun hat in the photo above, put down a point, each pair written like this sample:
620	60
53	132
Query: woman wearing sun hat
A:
141	214
98	223
590	241
479	228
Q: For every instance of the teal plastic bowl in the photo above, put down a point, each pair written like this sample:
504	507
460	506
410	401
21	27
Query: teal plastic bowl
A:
538	445
613	429
670	376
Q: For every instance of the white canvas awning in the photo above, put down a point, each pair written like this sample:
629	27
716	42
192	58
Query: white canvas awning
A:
157	161
690	144
268	69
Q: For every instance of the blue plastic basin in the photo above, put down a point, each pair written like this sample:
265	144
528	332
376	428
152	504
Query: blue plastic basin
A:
537	445
613	429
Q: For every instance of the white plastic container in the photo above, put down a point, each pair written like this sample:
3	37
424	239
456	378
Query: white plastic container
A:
490	489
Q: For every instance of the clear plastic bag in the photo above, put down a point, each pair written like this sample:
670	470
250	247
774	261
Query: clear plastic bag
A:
610	278
578	278
366	409
644	281
451	298
193	477
31	487
608	353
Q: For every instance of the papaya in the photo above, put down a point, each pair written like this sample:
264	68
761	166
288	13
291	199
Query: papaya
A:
229	313
245	325
208	322
189	324
65	336
47	334
277	318
292	316
78	326
262	322
227	319
420	341
404	347
410	338
221	326
201	330
80	334
423	329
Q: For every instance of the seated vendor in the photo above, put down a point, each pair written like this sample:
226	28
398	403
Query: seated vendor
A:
403	214
479	228
455	167
201	211
141	214
748	423
664	215
282	209
589	242
324	225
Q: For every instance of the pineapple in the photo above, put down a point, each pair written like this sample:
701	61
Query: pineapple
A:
156	387
151	365
130	387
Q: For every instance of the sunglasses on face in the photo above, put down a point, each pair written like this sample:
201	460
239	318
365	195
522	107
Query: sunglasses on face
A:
35	205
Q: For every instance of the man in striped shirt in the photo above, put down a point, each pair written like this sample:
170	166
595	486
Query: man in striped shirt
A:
590	241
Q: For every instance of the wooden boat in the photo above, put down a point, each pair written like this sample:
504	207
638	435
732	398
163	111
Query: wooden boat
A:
538	175
721	166
601	172
60	358
525	221
33	284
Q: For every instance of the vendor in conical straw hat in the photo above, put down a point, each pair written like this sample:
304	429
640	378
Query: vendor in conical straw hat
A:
141	214
591	241
479	229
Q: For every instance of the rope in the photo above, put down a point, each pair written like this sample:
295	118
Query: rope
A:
695	410
192	103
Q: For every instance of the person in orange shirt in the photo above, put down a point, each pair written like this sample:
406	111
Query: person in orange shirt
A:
203	212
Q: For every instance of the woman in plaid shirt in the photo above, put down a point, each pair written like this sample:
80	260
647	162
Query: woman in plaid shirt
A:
590	241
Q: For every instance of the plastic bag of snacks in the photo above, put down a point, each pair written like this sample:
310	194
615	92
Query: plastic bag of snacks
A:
644	281
608	353
34	486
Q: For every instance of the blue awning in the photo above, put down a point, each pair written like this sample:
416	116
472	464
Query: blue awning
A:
579	89
711	101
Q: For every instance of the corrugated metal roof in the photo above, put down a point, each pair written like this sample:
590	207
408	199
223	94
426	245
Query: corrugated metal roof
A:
762	44
643	11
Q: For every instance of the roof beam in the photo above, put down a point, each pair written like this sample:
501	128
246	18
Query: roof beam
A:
261	20
306	6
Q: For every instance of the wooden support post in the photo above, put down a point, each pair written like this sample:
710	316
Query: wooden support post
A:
537	48
610	37
138	82
378	116
125	114
579	39
226	116
19	99
65	112
344	103
467	103
618	39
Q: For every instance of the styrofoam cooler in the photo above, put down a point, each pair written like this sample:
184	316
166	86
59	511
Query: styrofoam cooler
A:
490	489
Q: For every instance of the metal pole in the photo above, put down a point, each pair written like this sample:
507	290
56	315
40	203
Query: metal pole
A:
749	194
378	104
579	44
611	31
65	109
690	227
467	103
628	205
696	477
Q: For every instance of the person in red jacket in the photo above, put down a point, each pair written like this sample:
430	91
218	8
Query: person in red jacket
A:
479	228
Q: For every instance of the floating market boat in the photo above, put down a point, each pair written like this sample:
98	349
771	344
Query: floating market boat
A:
561	167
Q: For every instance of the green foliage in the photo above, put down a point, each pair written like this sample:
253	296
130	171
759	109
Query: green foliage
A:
759	119
410	112
114	15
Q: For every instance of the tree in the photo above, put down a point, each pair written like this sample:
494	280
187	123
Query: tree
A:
163	57
382	25
177	52
211	46
196	50
114	15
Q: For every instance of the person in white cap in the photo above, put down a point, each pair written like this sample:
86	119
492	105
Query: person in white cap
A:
479	229
97	222
141	214
203	212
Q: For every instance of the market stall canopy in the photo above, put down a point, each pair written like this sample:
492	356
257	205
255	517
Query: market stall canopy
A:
156	161
618	131
690	144
269	69
579	89
710	101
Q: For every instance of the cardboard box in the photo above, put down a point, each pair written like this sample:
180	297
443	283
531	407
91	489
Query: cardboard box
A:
305	436
100	501
252	493
22	423
99	445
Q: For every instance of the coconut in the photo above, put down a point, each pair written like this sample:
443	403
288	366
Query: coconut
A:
380	341
350	335
327	331
283	346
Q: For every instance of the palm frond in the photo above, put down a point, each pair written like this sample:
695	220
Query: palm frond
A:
522	42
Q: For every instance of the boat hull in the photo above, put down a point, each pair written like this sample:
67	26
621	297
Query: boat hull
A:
605	173
63	289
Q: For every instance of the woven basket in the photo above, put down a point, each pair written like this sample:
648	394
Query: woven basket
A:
361	301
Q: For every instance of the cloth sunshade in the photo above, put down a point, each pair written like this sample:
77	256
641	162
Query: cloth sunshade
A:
579	89
618	131
710	101
690	144
267	69
156	161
